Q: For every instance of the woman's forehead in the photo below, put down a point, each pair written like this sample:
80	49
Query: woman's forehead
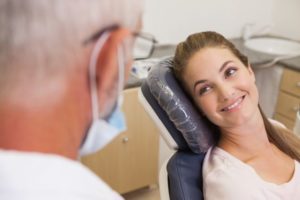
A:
209	58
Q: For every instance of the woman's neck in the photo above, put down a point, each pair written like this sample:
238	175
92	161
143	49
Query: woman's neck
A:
247	140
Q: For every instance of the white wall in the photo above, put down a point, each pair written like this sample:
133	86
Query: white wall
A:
286	18
172	21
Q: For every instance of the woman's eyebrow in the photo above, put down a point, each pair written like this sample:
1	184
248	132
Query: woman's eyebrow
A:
224	65
198	82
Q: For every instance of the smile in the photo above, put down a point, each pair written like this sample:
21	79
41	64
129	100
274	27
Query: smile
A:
233	105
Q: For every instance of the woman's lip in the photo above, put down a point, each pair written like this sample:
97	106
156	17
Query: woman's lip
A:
234	104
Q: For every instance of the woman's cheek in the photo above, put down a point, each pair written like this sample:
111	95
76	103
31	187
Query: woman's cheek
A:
207	104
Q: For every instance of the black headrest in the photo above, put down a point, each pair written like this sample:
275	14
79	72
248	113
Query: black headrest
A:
197	131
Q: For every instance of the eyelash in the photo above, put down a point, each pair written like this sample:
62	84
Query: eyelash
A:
228	73
204	90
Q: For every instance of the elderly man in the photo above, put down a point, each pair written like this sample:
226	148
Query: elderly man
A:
63	64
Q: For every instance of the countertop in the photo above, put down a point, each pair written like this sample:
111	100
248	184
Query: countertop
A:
160	51
255	58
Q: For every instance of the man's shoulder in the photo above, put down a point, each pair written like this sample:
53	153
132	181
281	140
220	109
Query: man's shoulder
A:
37	174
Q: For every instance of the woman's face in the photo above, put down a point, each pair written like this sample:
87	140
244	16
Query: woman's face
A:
222	86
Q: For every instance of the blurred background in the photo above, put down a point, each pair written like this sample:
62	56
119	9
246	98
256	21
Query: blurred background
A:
172	20
133	161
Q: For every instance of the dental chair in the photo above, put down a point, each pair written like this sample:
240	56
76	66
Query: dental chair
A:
184	130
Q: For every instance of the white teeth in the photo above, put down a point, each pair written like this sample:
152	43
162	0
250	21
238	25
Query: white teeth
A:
234	104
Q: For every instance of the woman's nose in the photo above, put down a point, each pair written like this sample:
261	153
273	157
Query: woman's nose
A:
225	92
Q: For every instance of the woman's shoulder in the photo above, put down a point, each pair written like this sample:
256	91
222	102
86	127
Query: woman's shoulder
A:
218	160
218	163
223	176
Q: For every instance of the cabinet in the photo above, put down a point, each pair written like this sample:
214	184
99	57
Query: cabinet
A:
288	101
130	161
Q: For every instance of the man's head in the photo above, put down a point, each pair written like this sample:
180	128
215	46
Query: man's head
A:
43	39
44	82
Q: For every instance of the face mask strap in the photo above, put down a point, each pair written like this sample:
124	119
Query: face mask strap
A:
121	76
92	74
102	131
121	65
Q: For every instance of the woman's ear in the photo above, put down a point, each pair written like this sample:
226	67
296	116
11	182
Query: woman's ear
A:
107	69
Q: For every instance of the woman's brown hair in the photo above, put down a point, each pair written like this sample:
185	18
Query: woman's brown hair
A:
284	139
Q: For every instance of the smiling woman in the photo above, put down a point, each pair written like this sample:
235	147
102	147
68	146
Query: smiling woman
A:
222	84
220	91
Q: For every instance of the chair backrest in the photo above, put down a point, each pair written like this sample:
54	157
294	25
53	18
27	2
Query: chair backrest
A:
192	133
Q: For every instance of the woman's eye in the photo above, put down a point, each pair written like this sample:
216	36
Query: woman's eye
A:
230	72
204	90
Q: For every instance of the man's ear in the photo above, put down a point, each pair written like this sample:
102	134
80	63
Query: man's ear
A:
107	69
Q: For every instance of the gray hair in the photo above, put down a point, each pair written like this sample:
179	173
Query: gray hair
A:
40	39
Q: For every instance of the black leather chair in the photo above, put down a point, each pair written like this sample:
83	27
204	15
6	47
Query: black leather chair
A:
191	134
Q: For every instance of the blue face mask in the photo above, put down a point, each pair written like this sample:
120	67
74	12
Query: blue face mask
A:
101	131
